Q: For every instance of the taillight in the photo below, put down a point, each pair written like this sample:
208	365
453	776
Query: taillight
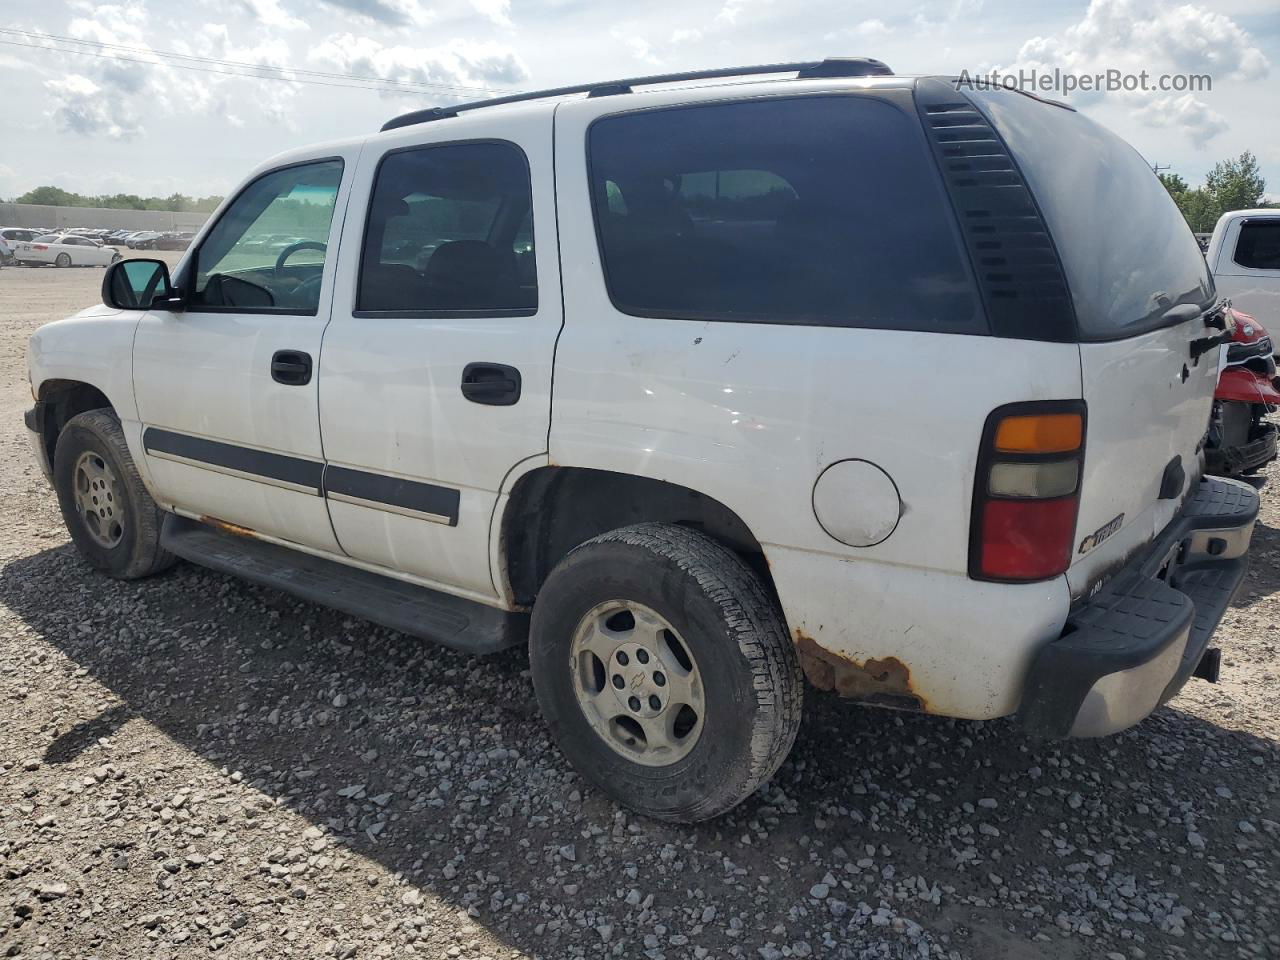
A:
1027	491
39	246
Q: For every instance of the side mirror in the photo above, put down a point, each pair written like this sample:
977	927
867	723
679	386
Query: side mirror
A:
139	285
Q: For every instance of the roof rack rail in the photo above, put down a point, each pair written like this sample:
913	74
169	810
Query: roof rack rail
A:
806	70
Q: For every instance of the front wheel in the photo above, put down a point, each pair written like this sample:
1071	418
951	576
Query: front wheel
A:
115	258
664	671
112	519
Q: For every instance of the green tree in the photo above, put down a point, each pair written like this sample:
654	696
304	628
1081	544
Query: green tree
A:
1173	183
175	202
52	197
1236	184
1231	185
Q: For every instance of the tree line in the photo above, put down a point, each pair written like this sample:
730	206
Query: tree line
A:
1230	185
174	203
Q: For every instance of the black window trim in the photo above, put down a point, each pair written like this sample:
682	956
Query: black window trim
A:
186	280
898	98
1244	222
443	314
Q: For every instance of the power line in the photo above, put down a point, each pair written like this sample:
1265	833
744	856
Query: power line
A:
193	67
233	63
350	81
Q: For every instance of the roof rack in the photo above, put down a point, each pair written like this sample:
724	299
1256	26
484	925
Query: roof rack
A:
806	70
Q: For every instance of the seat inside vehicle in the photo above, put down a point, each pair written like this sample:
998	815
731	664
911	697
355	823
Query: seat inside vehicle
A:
450	230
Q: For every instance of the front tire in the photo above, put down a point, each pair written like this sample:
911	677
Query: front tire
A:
112	519
665	672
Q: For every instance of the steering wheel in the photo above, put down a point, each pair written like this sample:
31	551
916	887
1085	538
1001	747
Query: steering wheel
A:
308	289
293	248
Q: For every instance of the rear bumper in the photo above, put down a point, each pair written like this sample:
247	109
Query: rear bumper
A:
1132	645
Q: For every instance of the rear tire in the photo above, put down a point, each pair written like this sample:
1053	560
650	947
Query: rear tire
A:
710	694
112	519
63	260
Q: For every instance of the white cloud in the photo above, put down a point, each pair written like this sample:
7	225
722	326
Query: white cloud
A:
733	10
392	13
464	67
271	14
499	11
874	27
1143	35
1193	117
638	46
81	106
116	94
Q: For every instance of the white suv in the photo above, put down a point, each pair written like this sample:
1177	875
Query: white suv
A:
692	388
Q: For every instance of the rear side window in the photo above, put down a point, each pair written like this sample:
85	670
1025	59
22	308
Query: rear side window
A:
814	210
1127	252
1259	245
450	230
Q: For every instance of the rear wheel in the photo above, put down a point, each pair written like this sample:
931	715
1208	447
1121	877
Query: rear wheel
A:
63	260
665	672
112	519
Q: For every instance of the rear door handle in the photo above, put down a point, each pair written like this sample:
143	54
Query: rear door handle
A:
291	367
495	384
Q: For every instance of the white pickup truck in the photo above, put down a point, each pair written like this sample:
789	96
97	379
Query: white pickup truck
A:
692	386
1244	257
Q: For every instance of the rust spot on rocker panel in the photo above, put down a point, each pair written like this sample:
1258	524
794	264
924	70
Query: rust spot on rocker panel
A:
231	528
884	682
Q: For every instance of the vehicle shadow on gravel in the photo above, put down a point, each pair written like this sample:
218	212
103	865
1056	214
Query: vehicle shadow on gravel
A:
962	835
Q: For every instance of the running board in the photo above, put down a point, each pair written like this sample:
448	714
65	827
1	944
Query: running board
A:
418	611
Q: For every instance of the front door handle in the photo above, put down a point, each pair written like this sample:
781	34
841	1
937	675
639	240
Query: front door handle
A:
495	384
291	367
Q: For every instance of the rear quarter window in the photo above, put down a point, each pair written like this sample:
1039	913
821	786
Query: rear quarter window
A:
1258	246
822	210
1128	254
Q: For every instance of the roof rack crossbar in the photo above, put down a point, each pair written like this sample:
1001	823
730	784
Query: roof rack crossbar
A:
831	67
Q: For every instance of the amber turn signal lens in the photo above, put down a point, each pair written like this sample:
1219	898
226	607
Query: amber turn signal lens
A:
1044	433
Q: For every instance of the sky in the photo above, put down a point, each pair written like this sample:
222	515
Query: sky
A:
120	115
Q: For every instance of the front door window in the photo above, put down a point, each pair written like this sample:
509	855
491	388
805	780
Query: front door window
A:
266	253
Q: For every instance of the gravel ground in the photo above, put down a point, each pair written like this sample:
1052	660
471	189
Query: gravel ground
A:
192	764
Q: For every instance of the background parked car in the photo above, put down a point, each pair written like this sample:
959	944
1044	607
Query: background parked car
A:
10	237
143	240
65	250
174	241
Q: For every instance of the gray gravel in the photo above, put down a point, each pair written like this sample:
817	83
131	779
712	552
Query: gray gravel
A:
192	764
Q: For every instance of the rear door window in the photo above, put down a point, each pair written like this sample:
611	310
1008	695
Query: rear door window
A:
815	210
450	231
1258	246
